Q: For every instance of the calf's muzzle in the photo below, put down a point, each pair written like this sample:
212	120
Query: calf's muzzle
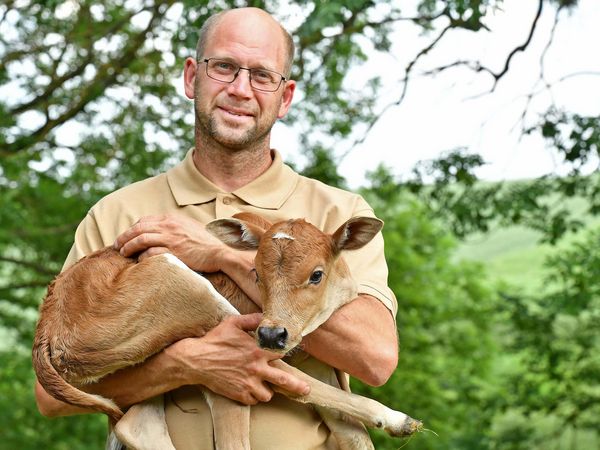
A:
274	338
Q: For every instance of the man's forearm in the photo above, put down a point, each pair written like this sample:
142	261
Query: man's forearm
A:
225	360
360	338
125	387
239	265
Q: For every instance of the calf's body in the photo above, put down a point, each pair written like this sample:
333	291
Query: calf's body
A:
108	312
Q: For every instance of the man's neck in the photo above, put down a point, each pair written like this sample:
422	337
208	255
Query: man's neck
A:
231	169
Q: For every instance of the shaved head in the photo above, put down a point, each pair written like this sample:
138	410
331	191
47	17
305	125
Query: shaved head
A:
255	14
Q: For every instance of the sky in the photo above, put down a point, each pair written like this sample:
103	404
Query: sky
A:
453	110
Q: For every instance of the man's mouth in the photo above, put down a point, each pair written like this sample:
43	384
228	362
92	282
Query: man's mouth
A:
236	112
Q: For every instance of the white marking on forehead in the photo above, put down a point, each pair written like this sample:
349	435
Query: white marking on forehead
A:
281	235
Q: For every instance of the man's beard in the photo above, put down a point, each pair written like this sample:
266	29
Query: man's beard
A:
209	128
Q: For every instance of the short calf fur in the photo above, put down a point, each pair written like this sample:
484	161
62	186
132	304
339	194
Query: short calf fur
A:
107	312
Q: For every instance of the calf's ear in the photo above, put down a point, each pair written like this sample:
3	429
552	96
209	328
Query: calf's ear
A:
255	219
236	233
356	233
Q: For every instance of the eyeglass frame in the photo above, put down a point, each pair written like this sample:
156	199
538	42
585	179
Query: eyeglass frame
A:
249	69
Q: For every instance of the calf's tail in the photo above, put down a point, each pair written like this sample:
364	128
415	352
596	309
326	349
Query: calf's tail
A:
60	389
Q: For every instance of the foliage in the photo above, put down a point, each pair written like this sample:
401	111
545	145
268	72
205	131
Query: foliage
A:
87	104
550	385
443	324
24	428
451	189
321	167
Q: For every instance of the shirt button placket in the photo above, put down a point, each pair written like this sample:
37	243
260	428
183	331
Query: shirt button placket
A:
225	206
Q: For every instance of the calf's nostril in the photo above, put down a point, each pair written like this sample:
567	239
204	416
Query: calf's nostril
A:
272	337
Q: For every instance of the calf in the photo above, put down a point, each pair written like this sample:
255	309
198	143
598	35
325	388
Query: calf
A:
108	312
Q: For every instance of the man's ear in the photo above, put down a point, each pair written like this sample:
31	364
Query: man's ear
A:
190	68
286	101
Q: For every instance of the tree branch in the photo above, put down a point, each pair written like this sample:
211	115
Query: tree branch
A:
371	123
521	47
478	67
30	265
350	27
473	65
542	78
30	285
56	81
106	76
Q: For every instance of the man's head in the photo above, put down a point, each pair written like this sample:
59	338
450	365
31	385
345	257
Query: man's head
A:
235	114
210	23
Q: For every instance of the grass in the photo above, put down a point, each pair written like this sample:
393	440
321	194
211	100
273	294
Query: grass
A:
513	255
516	256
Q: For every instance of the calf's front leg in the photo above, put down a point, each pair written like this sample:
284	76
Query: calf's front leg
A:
370	412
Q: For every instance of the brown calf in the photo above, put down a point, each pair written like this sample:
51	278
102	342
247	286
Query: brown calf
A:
108	312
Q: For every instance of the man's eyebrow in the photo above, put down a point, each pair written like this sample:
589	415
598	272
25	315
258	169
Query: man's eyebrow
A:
253	66
224	58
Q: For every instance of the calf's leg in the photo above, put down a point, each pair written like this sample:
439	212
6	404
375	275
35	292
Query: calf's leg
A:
370	412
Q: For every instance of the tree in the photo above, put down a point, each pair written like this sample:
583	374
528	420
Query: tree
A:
87	105
549	383
447	343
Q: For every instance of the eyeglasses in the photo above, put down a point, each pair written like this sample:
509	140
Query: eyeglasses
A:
226	72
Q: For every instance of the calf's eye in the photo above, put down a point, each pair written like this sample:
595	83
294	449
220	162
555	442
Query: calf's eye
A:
316	277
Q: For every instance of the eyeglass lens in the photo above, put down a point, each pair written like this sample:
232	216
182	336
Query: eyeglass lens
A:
226	71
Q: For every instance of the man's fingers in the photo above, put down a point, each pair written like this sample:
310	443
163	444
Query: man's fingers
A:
262	393
286	381
142	243
246	322
148	224
155	218
152	251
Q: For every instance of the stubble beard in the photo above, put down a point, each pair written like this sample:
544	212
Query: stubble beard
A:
211	131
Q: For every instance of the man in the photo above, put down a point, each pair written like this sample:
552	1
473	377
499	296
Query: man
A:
239	92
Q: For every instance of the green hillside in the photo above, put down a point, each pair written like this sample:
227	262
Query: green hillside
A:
515	254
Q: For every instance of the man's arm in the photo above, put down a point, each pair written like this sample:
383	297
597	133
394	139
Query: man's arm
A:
360	338
227	352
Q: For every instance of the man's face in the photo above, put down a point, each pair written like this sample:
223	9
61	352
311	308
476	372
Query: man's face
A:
234	114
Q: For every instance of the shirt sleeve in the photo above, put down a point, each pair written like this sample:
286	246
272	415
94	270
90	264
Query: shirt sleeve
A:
87	240
368	265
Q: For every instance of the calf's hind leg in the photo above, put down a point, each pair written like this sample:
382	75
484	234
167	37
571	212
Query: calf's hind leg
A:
144	427
231	422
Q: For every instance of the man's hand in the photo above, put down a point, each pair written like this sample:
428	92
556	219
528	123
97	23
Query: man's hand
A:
184	237
228	362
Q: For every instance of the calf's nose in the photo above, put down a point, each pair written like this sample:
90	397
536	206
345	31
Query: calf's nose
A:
272	337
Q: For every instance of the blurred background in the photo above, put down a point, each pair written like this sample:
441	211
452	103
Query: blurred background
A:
471	126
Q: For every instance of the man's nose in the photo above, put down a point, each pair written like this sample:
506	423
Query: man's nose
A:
241	86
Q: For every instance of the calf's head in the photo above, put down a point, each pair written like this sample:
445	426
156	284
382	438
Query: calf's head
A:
300	274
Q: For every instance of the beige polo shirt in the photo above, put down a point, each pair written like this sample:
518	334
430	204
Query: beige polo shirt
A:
278	194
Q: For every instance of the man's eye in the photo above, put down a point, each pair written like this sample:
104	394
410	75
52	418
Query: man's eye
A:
262	76
224	66
316	277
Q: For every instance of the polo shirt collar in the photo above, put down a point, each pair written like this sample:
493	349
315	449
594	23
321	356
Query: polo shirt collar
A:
269	191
